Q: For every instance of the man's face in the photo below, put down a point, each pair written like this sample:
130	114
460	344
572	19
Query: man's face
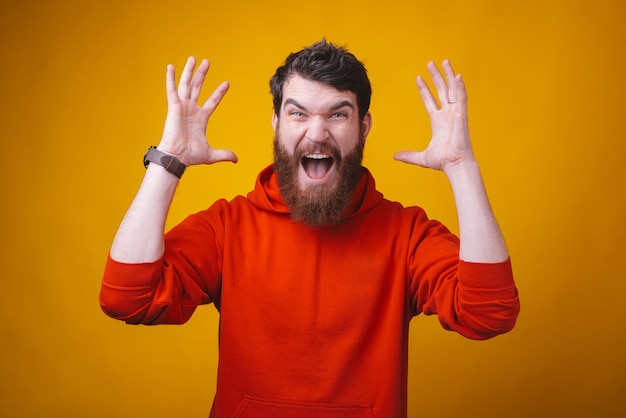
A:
318	148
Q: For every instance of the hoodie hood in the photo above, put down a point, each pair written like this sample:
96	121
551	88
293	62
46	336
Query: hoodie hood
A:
266	194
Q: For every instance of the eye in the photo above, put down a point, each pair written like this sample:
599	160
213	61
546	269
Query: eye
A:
339	115
297	113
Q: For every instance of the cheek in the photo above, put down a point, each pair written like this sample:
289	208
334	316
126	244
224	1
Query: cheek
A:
289	138
348	141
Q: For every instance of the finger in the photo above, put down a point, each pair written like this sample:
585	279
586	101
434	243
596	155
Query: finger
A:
461	92
214	100
427	97
451	81
198	80
439	82
170	85
185	79
410	157
456	85
219	155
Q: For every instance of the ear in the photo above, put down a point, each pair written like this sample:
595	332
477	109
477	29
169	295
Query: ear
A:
366	125
274	121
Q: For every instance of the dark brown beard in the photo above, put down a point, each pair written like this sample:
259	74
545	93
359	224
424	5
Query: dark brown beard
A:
317	205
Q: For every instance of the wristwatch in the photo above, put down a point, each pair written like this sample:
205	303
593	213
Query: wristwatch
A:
169	162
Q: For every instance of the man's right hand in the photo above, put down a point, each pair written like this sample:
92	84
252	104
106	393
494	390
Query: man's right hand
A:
184	134
139	238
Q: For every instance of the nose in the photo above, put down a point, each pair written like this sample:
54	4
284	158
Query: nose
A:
317	130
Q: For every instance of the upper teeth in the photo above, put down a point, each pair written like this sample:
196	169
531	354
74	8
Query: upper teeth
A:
317	156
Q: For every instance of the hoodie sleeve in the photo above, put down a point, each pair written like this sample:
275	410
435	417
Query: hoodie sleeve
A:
168	290
477	300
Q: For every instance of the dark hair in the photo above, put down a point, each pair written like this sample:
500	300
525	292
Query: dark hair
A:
328	64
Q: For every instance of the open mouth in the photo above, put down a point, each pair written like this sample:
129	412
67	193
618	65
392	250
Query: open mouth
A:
317	165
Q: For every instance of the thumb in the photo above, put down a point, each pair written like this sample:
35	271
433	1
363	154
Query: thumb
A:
411	157
219	155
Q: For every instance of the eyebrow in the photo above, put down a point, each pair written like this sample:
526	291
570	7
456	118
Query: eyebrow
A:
336	106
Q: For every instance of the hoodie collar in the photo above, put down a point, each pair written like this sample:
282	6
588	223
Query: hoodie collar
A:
266	194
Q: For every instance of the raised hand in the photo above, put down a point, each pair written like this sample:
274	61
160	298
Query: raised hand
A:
450	143
184	134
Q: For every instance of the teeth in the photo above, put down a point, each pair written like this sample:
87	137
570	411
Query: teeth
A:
317	156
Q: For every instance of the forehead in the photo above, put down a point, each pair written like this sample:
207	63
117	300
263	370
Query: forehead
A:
309	92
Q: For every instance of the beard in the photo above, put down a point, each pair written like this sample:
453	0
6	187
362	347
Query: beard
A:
318	204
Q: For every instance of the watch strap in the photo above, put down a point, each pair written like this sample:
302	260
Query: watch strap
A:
169	162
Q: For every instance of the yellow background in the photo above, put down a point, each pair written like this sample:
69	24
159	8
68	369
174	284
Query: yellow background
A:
82	97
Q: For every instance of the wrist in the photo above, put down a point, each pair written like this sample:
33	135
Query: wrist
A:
169	162
462	170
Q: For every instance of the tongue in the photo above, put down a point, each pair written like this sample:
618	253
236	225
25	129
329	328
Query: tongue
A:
316	168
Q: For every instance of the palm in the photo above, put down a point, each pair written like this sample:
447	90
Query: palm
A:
184	134
450	143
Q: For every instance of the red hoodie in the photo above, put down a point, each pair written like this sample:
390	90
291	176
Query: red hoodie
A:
313	321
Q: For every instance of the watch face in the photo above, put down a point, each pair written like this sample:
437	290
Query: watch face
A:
169	162
145	156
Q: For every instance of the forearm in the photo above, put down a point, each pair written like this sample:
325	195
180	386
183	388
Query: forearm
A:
139	238
481	238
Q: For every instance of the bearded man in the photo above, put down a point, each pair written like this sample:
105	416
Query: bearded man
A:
315	274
